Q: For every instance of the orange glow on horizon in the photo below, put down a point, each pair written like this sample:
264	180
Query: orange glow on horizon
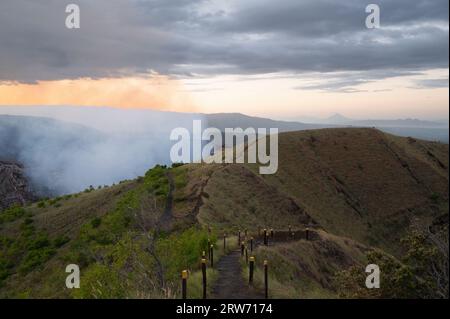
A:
155	92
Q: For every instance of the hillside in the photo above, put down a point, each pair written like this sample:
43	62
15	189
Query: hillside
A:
359	189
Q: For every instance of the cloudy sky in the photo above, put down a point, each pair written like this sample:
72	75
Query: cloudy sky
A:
282	59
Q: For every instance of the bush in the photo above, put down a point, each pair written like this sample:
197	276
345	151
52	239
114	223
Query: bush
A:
41	204
421	273
100	282
34	259
11	214
96	222
41	241
60	241
182	251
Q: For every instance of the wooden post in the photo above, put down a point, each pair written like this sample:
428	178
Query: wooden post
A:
239	236
209	249
204	277
184	276
307	234
242	249
224	242
246	255
212	256
251	244
251	268
266	280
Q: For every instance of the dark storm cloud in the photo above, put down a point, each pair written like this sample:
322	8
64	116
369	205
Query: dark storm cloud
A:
188	37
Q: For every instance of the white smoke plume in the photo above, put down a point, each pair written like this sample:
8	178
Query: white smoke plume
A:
66	149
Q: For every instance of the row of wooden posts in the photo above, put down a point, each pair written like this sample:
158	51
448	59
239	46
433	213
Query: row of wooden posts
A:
244	251
184	277
266	236
184	273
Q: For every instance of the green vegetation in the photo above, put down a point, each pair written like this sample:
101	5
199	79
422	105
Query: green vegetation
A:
41	204
12	214
156	182
28	252
120	260
195	283
421	273
182	251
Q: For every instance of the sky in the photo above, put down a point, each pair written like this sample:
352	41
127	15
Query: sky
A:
283	59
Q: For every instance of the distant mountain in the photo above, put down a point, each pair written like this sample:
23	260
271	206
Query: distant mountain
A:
338	119
342	120
427	130
233	120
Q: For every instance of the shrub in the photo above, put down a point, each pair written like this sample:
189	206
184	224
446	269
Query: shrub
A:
96	222
182	251
41	204
100	282
11	214
35	258
421	273
60	241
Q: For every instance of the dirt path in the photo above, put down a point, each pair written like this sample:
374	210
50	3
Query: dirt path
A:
165	221
231	284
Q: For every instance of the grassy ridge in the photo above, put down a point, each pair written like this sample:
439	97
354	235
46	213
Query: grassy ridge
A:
358	184
118	253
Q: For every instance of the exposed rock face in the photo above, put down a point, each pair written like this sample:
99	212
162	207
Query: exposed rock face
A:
14	187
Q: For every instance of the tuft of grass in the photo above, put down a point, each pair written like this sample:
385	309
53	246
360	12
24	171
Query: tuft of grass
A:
195	283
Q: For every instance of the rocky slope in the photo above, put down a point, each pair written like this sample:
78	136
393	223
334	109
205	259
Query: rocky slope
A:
14	188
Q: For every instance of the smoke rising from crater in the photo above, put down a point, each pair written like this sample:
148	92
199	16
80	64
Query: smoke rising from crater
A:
67	149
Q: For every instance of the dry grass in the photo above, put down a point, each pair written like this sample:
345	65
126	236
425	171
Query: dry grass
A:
359	184
305	269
